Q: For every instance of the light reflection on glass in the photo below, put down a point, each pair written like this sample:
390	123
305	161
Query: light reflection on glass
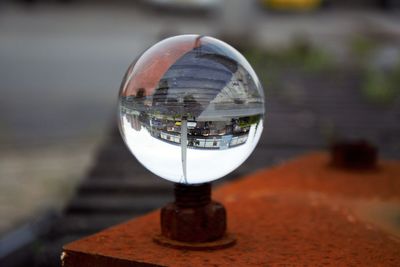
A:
191	109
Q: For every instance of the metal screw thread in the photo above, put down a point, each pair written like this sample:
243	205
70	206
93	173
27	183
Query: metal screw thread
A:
195	195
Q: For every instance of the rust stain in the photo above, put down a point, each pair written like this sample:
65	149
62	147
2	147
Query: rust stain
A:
300	213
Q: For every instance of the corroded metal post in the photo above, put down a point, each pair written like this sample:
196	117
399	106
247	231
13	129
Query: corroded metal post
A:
354	155
194	220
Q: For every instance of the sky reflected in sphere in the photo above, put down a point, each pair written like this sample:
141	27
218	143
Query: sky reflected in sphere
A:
191	109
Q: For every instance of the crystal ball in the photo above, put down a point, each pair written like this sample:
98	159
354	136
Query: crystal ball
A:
191	109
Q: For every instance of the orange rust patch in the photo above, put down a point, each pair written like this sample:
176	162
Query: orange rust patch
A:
314	173
300	213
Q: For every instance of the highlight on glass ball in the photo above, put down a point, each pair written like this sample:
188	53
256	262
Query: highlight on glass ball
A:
191	109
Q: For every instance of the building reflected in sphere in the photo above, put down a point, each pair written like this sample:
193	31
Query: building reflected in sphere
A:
191	109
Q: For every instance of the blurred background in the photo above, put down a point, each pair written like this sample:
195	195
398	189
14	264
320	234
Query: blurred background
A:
330	69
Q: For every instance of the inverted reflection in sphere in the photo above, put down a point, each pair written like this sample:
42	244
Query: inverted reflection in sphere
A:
191	109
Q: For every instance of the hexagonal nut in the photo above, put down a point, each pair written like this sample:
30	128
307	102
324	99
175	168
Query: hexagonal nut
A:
193	224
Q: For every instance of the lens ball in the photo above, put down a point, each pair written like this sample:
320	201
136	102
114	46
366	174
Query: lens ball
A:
191	109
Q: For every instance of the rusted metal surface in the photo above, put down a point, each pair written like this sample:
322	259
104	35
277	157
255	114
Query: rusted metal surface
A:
305	212
302	115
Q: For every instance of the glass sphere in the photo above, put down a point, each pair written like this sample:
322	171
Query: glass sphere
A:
191	109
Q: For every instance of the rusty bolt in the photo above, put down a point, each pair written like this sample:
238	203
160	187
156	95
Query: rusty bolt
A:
193	217
354	155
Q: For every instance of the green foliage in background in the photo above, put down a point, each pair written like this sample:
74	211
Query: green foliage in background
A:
362	48
381	87
378	86
300	56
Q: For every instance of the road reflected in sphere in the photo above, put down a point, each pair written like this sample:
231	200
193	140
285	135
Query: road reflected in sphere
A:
191	109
